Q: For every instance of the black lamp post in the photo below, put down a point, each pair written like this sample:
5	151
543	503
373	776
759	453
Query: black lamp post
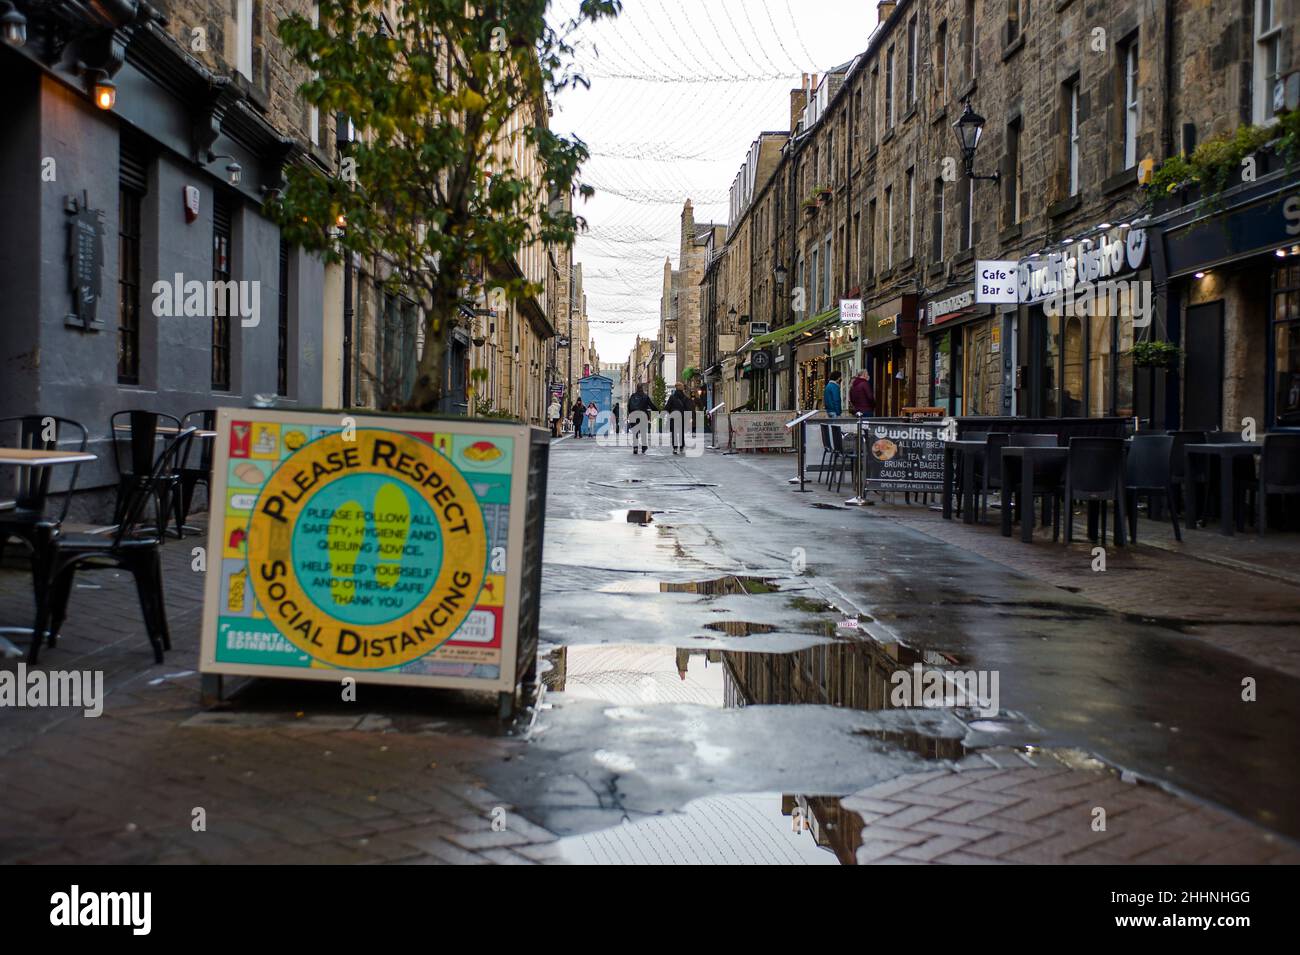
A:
970	129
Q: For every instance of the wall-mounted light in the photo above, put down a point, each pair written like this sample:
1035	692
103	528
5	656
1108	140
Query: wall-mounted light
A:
234	171
970	129
1200	275
13	25
104	90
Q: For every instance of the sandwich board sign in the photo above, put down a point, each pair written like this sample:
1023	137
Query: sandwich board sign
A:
383	548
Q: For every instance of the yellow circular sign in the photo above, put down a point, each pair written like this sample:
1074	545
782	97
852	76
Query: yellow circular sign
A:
367	549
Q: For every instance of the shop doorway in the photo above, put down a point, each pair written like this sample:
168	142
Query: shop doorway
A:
1203	402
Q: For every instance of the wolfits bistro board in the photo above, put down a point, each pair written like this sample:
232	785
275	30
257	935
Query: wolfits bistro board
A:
381	548
903	455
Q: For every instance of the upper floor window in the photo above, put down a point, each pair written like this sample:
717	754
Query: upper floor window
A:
1130	67
889	88
1268	52
970	37
941	63
244	10
911	62
1071	127
1013	20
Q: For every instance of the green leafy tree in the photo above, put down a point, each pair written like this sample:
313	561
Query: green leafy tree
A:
438	100
660	390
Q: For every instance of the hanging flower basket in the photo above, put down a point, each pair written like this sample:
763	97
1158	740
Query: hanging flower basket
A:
1155	354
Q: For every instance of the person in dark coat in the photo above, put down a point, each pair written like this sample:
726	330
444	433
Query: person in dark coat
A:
678	406
861	398
639	407
578	414
615	410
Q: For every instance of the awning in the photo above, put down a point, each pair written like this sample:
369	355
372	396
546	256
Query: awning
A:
807	326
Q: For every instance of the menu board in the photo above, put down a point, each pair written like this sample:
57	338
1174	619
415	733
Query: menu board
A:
385	549
903	456
761	429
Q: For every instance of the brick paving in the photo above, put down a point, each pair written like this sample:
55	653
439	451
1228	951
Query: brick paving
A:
394	779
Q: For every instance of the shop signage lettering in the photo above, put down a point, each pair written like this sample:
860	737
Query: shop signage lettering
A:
997	281
903	457
1087	261
944	308
850	310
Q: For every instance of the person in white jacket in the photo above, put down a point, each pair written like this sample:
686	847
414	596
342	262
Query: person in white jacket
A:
553	416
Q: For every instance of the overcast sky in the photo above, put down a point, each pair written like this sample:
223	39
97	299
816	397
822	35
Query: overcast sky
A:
679	90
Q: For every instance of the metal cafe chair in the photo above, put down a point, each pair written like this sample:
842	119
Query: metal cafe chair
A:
959	478
1279	471
132	547
1048	479
842	456
1150	472
991	469
1095	472
827	451
28	512
134	457
196	465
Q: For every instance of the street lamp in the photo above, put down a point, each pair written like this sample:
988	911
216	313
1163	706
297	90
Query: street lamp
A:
13	26
779	273
970	129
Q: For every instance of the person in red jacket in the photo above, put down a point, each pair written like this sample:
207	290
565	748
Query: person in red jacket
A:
861	398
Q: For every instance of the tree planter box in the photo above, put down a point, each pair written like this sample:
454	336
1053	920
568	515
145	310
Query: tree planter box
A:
384	549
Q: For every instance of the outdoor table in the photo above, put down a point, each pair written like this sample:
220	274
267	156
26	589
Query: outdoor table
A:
168	429
1225	453
1027	458
968	450
34	458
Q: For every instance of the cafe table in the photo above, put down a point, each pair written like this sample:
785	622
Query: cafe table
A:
969	451
34	458
1027	459
1226	454
169	429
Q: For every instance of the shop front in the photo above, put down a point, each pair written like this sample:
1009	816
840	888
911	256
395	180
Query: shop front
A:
844	350
965	354
1081	306
1232	305
889	353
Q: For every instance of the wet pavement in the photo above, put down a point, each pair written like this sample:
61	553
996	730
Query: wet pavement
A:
739	644
716	687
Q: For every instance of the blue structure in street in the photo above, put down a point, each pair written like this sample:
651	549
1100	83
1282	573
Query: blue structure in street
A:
598	388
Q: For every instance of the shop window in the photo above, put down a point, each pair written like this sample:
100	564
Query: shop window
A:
1072	369
1286	347
1051	350
941	373
221	229
1099	365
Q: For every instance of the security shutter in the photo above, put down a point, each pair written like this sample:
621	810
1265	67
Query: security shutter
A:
134	166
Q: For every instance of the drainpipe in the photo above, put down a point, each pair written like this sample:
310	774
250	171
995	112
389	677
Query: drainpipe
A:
347	329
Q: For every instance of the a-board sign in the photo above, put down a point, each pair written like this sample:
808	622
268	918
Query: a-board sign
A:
903	456
760	429
383	548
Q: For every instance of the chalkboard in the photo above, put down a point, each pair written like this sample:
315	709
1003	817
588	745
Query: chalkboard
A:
903	456
85	267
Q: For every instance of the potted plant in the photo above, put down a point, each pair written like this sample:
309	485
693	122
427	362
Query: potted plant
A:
823	193
1155	354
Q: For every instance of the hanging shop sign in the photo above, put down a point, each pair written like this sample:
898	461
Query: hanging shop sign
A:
903	456
996	281
760	429
850	310
760	360
387	549
941	310
1114	253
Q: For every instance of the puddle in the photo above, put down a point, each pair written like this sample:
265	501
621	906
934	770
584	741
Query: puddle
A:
716	586
827	507
741	628
928	747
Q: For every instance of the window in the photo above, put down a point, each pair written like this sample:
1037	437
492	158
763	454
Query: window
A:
1268	51
889	88
830	157
244	37
911	212
1286	347
855	251
1130	133
282	325
1014	174
936	223
221	215
130	195
871	240
313	112
828	299
911	62
941	64
1013	20
873	126
1071	126
969	39
889	227
816	276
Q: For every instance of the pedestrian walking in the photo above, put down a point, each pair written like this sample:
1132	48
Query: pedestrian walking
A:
592	412
553	416
678	407
831	396
616	421
578	413
639	407
861	398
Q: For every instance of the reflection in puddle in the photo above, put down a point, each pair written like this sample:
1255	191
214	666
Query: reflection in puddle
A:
741	628
629	674
747	829
717	586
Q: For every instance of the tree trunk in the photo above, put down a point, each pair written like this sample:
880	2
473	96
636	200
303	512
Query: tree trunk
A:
427	392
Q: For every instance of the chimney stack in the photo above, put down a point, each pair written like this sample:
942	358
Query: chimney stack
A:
883	9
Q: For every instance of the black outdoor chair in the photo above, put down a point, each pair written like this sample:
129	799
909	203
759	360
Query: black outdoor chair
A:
1243	476
1279	471
196	467
991	469
1048	478
827	450
844	455
135	437
131	547
1178	464
1150	472
28	511
1095	472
